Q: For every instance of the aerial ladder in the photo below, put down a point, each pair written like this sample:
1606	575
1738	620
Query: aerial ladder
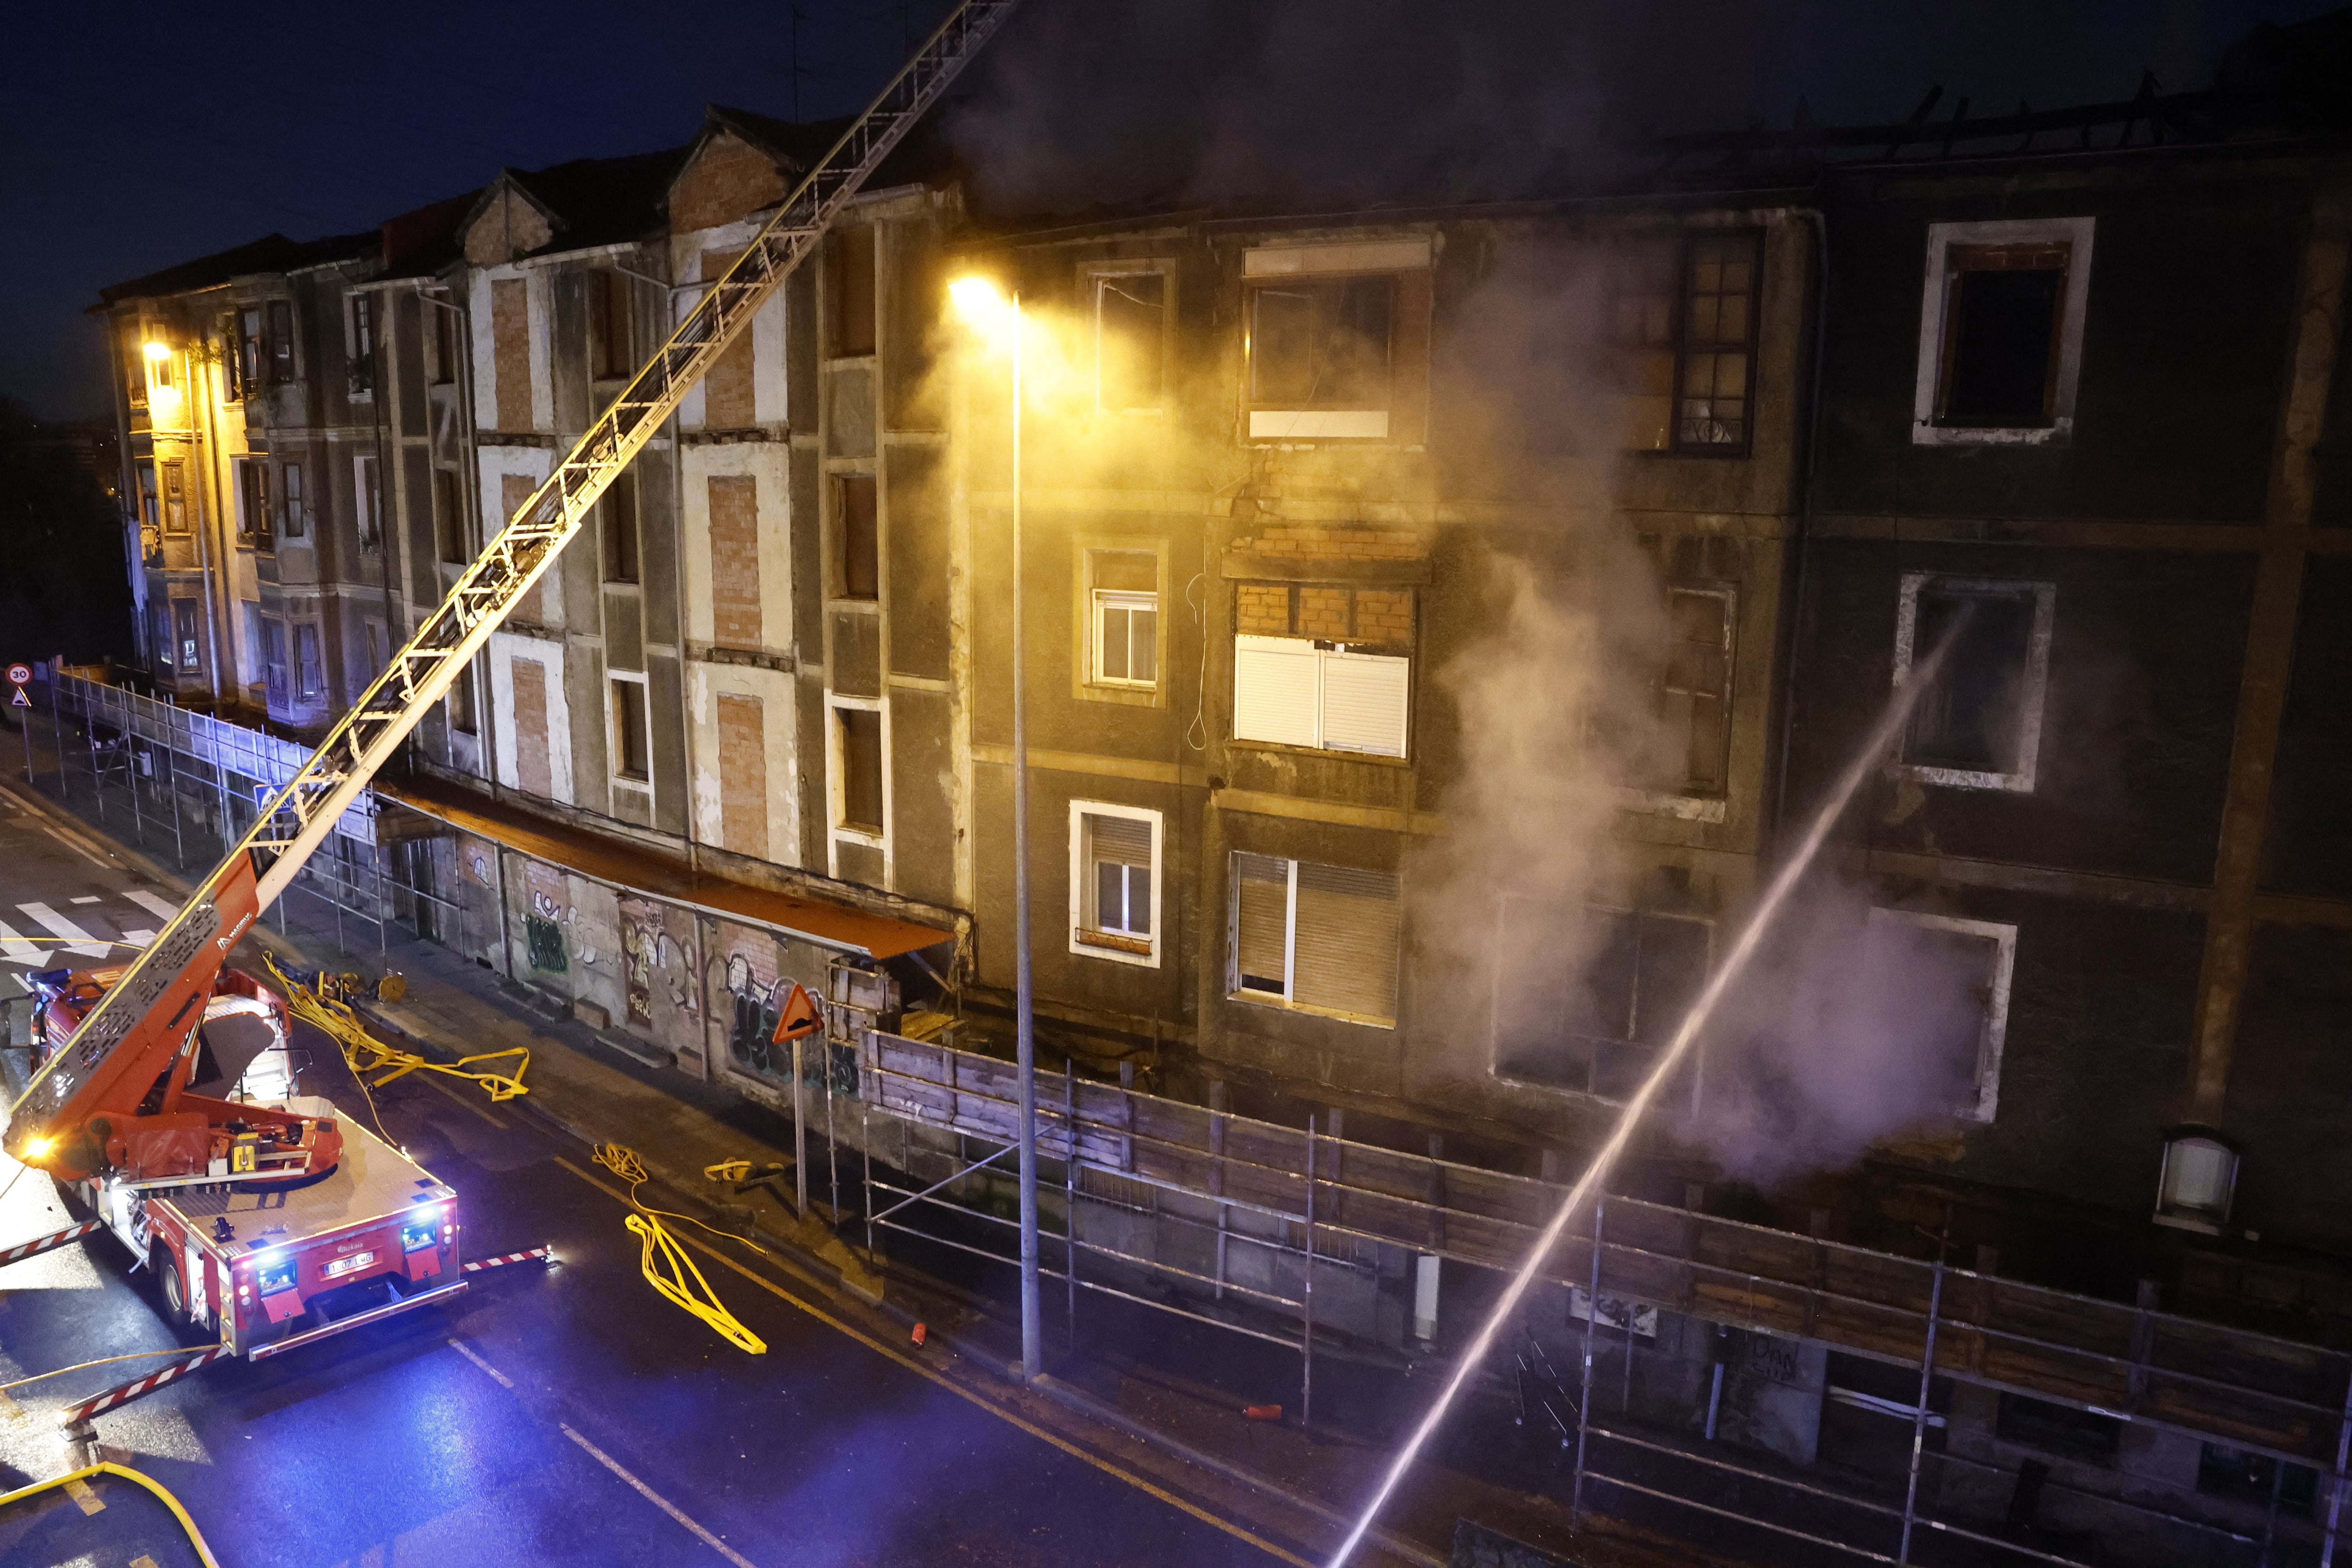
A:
110	1115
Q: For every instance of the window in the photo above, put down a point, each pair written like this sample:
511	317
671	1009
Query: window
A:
2001	332
232	363
282	368
612	325
297	518
853	504
2256	1478
1338	340
618	511
459	705
184	618
162	371
150	509
1114	882
1718	342
1595	1030
1695	694
273	656
253	501
630	748
310	677
1132	323
1975	960
849	270
248	349
1305	672
175	498
367	498
448	518
159	635
1123	618
2058	1428
1978	725
134	368
1322	938
359	342
859	745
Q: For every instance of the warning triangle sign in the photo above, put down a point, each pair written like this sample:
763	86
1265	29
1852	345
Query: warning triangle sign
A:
20	700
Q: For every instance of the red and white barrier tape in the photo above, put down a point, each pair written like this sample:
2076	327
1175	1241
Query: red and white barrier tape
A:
73	1416
39	1245
542	1254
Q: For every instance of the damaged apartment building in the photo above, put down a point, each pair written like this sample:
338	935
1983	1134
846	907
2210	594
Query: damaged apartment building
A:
1324	516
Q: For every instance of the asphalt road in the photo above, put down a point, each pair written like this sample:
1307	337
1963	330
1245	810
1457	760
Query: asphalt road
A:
549	1415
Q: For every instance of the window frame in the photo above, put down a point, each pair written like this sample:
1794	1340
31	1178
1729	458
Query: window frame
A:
305	692
171	476
1099	601
367	498
1082	880
1676	444
1993	1037
615	729
1093	277
255	526
1287	1000
1600	911
187	635
838	826
282	341
1324	649
1410	265
293	506
359	344
2037	676
252	357
1927	429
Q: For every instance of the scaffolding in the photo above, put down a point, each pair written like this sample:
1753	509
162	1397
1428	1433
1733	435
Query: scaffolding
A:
1243	1222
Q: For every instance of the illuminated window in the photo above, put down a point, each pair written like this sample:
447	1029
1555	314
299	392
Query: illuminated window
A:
184	617
1123	618
175	498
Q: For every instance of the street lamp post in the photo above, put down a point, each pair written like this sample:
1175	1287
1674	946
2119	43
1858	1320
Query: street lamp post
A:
989	312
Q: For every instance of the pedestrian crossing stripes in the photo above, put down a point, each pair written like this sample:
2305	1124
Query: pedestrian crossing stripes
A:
42	937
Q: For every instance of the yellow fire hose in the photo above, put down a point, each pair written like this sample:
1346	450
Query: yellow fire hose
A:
365	1054
195	1536
666	1266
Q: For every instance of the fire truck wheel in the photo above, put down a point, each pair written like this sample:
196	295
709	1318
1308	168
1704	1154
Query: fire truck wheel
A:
167	1278
71	1196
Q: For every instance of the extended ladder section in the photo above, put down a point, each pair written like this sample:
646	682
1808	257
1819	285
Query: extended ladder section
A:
129	1039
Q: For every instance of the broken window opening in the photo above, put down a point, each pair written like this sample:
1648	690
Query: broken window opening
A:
2003	313
1979	724
282	370
858	742
855	504
612	325
618	511
1130	341
1597	1031
309	674
1322	343
297	520
631	748
1695	693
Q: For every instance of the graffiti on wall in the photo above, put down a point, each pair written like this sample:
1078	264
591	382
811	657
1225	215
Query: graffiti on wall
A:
657	961
543	923
748	997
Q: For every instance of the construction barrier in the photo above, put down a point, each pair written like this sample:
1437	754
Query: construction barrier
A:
38	1244
79	1413
544	1254
195	1537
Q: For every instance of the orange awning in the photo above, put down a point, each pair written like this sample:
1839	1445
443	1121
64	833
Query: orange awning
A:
635	869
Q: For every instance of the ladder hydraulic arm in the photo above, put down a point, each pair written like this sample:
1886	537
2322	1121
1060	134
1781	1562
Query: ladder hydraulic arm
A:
129	1058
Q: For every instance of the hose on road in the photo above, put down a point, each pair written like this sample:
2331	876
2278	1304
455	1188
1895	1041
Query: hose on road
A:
364	1053
666	1266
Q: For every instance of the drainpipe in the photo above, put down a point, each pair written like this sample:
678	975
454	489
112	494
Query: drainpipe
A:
1820	222
215	590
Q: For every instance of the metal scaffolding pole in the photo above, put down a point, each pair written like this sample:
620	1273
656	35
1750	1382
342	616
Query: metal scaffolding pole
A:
1584	1388
1306	1293
1919	1413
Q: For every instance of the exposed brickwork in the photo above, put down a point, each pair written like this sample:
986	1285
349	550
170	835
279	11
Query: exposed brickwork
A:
1337	542
508	227
1323	611
510	351
1384	615
727	179
1262	610
742	776
513	490
735	561
533	771
727	401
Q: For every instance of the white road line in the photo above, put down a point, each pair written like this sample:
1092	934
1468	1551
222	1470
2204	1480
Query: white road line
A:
17	948
152	905
139	938
82	851
496	1375
658	1500
77	940
85	898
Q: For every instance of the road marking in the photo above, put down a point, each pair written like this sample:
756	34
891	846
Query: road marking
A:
86	1500
17	948
77	940
658	1500
496	1375
892	1353
152	905
70	842
86	899
139	938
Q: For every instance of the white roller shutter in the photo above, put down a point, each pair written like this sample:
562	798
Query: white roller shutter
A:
1277	688
1365	699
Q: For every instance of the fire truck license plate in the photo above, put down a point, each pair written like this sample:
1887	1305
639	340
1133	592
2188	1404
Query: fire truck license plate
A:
341	1266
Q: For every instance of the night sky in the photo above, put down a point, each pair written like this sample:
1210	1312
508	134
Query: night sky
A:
139	137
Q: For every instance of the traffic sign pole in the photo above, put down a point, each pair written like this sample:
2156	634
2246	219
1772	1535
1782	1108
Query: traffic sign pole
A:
19	674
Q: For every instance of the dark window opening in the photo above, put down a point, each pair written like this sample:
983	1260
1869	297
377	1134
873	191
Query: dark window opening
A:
443	341
850	270
461	703
250	350
1599	1031
253	502
1130	340
184	615
2004	309
291	483
281	342
231	363
861	768
630	749
1972	716
1694	695
2242	1476
2058	1428
619	509
369	503
1322	343
861	567
1718	342
273	652
363	372
611	322
175	498
311	681
448	518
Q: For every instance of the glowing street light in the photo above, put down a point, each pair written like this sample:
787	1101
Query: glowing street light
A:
997	318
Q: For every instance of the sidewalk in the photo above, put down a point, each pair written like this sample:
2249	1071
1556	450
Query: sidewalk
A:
589	1090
